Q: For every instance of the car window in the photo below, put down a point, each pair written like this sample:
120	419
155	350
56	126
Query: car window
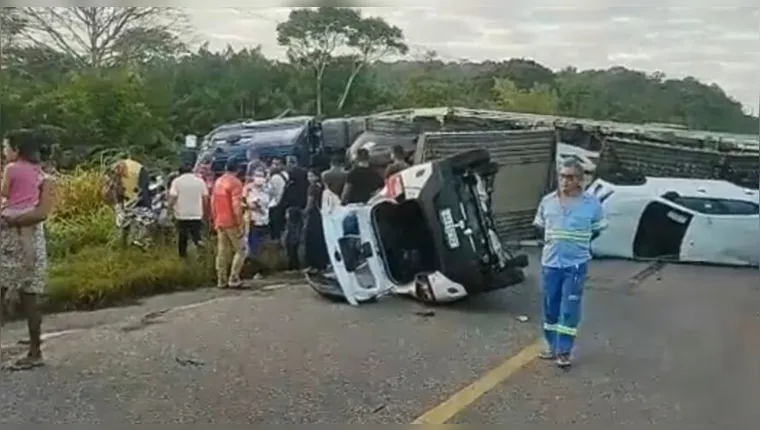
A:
715	206
740	207
351	225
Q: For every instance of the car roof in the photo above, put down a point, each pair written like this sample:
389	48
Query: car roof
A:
292	120
708	188
246	126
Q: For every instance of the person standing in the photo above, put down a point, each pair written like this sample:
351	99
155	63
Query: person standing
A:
334	178
570	218
398	163
255	164
14	275
257	203
20	189
227	216
278	181
362	181
188	197
295	194
315	254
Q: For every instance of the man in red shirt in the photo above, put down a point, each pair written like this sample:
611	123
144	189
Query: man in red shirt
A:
227	218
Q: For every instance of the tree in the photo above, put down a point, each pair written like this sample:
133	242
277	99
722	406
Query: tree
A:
540	99
147	94
312	37
95	36
141	45
373	39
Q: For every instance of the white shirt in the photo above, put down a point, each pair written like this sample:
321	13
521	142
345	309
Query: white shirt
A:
277	183
330	201
258	200
189	191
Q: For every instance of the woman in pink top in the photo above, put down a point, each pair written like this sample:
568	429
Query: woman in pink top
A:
20	190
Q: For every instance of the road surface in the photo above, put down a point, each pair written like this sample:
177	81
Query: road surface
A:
674	345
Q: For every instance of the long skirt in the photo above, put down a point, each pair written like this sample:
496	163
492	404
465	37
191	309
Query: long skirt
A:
315	247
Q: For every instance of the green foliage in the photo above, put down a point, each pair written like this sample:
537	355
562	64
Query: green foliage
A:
540	99
104	275
151	91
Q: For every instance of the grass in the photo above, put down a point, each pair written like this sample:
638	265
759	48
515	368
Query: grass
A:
89	269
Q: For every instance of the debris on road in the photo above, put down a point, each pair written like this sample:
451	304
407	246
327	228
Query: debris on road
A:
425	313
522	318
189	361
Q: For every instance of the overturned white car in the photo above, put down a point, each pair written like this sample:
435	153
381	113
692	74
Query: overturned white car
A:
428	234
687	220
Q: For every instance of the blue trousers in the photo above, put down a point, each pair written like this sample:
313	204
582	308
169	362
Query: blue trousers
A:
563	296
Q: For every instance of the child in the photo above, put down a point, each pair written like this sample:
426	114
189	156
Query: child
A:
20	188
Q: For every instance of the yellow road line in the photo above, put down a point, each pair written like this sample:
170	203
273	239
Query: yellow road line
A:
469	394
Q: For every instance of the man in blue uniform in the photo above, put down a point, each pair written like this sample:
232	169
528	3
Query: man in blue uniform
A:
570	219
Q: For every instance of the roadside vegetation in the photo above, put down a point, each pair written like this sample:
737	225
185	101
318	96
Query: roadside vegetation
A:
105	82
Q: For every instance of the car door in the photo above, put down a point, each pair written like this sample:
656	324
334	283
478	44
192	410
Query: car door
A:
727	235
353	250
736	239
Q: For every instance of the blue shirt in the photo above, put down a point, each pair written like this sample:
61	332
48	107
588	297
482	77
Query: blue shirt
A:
568	230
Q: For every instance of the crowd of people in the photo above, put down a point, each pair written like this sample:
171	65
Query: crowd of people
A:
278	201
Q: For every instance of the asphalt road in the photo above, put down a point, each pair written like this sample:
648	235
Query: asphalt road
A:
680	345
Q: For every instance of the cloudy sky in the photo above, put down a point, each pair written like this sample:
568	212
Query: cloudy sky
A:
713	43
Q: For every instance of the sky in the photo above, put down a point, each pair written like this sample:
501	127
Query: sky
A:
718	44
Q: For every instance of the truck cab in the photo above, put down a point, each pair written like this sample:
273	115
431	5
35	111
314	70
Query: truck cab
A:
300	137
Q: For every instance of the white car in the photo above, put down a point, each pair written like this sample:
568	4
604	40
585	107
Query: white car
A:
428	234
687	220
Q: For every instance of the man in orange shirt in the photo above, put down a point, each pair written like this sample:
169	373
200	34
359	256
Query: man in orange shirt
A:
227	217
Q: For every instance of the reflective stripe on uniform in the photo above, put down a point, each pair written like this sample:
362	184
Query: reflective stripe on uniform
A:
561	329
569	235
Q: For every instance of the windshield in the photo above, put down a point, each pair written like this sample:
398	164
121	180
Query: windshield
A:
249	136
715	206
268	136
222	135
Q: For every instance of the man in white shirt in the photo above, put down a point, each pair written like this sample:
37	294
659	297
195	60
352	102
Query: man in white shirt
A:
188	197
278	181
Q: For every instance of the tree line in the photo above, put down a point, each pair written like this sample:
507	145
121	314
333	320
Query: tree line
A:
104	81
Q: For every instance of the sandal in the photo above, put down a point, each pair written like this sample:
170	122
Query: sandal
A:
26	363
